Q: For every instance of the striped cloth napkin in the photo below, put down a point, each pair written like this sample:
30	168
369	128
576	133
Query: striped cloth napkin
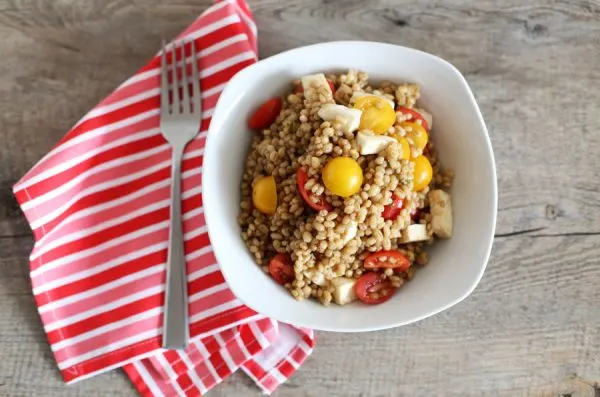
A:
98	205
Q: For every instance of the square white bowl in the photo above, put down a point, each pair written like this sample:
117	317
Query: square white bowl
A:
460	134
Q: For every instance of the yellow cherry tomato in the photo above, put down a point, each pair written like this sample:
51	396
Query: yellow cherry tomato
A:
342	176
416	133
404	145
422	173
377	114
264	195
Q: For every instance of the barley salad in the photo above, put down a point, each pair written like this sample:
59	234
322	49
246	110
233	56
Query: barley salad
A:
342	188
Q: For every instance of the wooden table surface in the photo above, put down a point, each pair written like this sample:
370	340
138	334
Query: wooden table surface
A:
531	328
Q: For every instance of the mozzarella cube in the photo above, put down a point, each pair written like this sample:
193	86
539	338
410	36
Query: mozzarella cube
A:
315	277
359	94
350	117
414	233
315	80
441	213
344	290
372	144
426	116
350	232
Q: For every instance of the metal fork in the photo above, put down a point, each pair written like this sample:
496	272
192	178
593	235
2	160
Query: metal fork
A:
179	122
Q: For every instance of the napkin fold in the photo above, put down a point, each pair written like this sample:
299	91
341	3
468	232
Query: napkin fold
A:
98	205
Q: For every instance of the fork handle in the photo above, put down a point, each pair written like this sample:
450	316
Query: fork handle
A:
175	320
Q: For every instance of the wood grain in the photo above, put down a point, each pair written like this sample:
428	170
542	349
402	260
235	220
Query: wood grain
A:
532	327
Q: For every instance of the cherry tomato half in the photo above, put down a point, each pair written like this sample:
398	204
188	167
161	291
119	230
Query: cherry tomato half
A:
377	113
321	204
423	173
264	195
299	89
391	211
406	153
265	115
281	269
413	115
417	133
372	288
389	259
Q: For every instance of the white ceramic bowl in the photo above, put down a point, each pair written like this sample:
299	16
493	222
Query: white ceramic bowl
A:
456	265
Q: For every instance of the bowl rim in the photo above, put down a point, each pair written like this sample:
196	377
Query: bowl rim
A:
212	222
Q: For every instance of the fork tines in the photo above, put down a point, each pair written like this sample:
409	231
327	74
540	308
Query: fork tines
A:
177	101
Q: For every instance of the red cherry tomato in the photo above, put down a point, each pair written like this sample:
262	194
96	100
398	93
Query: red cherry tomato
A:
389	259
372	283
265	115
299	89
413	115
322	204
281	269
391	211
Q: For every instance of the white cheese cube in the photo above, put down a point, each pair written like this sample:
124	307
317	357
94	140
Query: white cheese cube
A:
350	117
372	144
316	277
414	233
441	213
350	232
359	94
344	290
315	79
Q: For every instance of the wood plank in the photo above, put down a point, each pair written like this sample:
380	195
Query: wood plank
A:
532	327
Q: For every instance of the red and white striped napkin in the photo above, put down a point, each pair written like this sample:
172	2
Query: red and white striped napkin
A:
98	205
